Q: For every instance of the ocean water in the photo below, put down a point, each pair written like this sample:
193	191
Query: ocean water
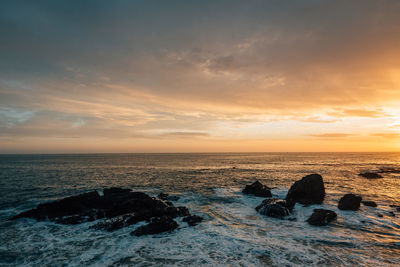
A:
233	233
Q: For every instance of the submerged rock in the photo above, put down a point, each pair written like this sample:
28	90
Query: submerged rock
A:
370	175
321	217
193	220
309	190
369	203
277	208
121	207
257	189
156	226
349	202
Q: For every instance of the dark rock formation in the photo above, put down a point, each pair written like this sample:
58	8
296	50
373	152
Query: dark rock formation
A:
349	202
257	189
165	196
369	203
193	220
157	225
321	217
370	175
277	208
309	190
121	207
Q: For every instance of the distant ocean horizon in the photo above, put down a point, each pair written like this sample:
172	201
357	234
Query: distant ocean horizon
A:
210	185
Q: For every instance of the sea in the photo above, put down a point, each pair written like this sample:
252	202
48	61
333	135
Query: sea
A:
210	185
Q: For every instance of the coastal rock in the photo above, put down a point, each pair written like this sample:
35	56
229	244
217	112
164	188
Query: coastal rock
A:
349	202
277	208
156	226
257	189
369	203
168	197
321	217
309	190
121	207
193	220
370	175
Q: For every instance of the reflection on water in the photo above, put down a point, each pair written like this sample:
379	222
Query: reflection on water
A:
209	184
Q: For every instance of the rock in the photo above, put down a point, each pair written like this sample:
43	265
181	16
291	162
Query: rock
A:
257	189
349	202
321	217
369	203
193	220
370	175
391	213
157	225
380	215
165	196
277	208
121	207
75	205
309	190
115	191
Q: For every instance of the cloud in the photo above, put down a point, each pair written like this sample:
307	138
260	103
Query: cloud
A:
141	69
184	134
369	113
386	135
331	135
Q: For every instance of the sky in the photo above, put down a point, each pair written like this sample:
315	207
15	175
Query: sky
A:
199	76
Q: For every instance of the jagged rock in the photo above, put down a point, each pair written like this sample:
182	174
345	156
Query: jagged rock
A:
349	202
277	208
369	203
193	220
309	190
370	175
122	207
157	225
257	189
321	217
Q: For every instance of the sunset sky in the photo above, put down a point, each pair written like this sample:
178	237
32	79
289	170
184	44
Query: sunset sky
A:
199	76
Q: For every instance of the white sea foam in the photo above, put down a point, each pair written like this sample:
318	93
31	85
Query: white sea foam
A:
232	234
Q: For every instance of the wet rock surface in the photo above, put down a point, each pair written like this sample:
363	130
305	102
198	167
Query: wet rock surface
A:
371	175
277	208
322	217
193	220
309	190
369	203
121	207
156	226
257	189
349	202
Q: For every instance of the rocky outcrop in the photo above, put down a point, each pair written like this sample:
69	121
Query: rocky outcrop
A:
277	208
309	190
349	202
121	208
193	220
321	217
157	225
369	203
370	175
257	189
168	197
